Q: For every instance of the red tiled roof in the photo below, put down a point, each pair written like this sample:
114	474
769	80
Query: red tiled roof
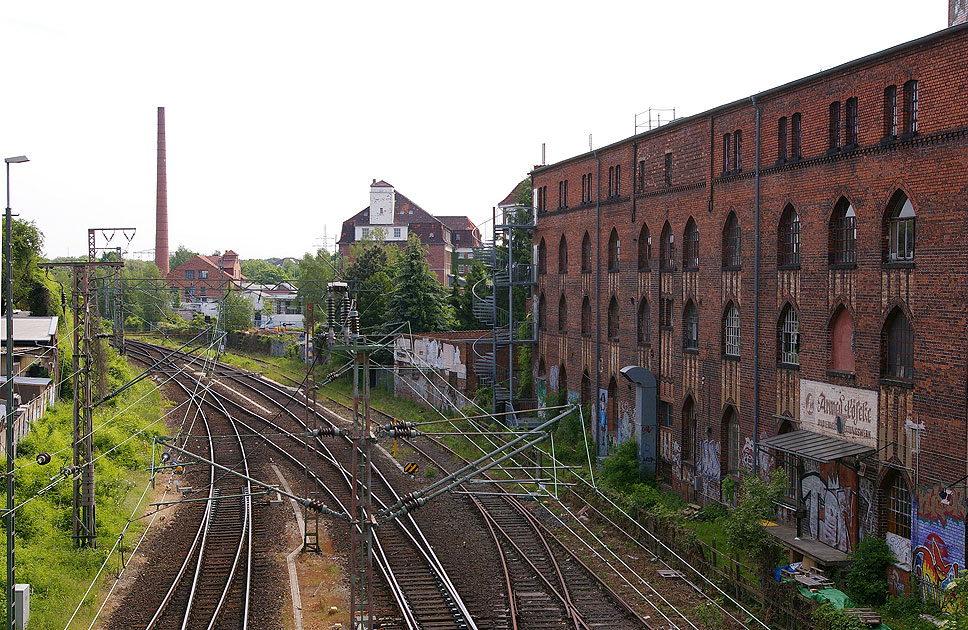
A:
514	195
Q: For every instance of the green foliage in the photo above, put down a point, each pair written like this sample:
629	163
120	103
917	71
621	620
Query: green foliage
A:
461	299
526	382
144	307
829	617
957	604
32	289
180	256
904	613
620	470
709	614
745	535
238	311
867	577
264	272
370	276
316	270
572	444
417	297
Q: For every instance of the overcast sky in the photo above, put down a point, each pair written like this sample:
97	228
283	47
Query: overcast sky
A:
279	114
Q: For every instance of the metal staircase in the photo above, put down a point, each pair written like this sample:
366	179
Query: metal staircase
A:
503	274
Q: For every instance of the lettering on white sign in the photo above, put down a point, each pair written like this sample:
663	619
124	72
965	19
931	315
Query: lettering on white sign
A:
845	412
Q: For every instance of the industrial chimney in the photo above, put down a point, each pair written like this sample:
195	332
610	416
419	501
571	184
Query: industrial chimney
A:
161	201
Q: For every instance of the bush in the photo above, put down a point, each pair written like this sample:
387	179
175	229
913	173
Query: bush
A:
867	577
620	470
828	617
745	535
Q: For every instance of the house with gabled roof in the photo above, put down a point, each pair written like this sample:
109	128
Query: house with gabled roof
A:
202	281
392	217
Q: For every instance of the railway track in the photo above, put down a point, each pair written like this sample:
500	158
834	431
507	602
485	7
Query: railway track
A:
417	583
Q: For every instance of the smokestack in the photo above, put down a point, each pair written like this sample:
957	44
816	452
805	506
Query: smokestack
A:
161	201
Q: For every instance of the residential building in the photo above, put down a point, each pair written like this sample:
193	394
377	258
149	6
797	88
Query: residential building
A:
792	273
200	282
392	217
276	306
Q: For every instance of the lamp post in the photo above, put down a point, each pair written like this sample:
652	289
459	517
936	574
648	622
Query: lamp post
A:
8	291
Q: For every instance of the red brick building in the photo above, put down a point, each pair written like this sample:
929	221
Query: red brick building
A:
205	278
394	217
792	269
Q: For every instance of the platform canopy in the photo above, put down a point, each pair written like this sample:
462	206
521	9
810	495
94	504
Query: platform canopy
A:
815	446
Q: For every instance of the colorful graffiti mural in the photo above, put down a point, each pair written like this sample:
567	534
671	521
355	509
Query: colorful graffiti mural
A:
830	499
747	459
937	539
708	468
676	460
541	390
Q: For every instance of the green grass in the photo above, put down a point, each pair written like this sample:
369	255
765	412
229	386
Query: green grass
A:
46	558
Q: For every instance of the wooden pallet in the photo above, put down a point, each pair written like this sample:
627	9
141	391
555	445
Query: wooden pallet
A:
867	615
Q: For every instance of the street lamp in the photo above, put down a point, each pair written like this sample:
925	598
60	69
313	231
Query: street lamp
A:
8	291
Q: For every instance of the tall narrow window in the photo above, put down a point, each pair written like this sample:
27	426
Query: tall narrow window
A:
618	180
562	314
566	194
584	189
732	242
642	322
562	255
731	331
690	326
797	132
899	229
586	317
668	169
613	319
611	181
738	150
641	175
690	246
890	111
586	254
843	234
666	247
542	257
562	378
851	123
539	198
788	337
731	439
899	508
788	238
781	139
665	312
689	422
834	130
842	341
897	343
612	407
645	248
586	388
727	149
591	189
911	107
614	251
561	194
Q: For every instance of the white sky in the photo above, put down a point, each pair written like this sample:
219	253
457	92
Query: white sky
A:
279	114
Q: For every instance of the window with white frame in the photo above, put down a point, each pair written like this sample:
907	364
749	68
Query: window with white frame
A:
731	331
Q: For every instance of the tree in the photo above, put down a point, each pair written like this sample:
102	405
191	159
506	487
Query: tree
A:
370	279
180	256
417	297
744	530
867	577
462	299
315	271
263	272
143	306
32	289
238	311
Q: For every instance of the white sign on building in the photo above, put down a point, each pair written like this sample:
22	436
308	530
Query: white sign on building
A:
845	412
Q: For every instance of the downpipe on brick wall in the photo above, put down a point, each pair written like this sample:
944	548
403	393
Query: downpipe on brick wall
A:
602	442
756	296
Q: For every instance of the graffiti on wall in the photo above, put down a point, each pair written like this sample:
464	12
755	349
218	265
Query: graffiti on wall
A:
897	581
866	508
541	391
708	468
831	506
901	547
626	421
767	462
676	460
747	460
937	539
553	378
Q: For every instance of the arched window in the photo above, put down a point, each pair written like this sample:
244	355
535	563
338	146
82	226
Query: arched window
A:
563	255
690	246
562	314
899	508
613	407
897	346
732	242
730	445
613	319
690	326
585	396
899	229
667	258
731	331
542	257
562	378
586	254
614	250
788	238
586	317
688	446
645	248
842	341
542	312
843	234
788	336
642	327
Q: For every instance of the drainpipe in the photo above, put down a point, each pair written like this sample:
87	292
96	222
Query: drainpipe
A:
756	299
598	306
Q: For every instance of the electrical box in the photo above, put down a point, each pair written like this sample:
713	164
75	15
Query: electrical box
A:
21	602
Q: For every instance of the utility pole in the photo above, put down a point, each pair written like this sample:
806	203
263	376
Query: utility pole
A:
310	517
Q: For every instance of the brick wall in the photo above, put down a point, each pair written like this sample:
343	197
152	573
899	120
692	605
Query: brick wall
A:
928	167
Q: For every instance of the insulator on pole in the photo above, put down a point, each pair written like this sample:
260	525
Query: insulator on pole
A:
354	321
331	309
